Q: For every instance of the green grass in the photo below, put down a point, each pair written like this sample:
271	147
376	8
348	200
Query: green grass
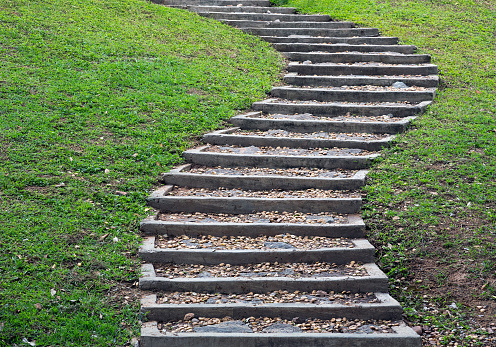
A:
100	97
431	198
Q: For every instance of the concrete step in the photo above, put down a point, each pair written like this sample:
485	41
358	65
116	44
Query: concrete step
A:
313	123
300	39
351	226
272	106
429	81
402	336
357	57
265	3
351	32
242	9
332	69
289	25
267	17
382	307
362	251
233	136
205	177
202	156
341	47
350	95
165	200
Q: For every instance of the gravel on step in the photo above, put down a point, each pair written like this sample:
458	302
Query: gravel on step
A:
290	101
275	325
260	171
316	297
258	217
234	149
364	63
282	241
312	135
387	118
288	270
369	88
271	193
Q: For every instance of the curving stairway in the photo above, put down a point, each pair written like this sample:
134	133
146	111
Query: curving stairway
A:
258	240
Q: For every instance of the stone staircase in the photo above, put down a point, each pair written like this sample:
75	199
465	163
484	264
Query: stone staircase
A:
258	240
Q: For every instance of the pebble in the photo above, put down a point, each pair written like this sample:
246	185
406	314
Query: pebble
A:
245	242
277	325
271	193
280	296
261	171
292	270
258	217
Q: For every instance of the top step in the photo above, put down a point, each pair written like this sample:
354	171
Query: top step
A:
242	9
213	2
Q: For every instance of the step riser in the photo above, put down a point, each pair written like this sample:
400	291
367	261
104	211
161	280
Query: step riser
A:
246	257
314	126
243	9
354	285
264	3
328	81
333	40
153	227
288	311
250	205
310	69
356	58
289	142
208	159
295	25
283	47
336	110
311	32
258	182
350	96
265	17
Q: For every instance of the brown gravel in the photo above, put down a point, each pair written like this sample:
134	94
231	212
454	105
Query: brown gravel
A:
348	117
291	270
261	171
290	101
335	151
245	242
312	135
271	193
358	64
281	296
370	88
259	217
257	325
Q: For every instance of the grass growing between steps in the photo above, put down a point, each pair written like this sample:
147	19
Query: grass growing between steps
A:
431	198
98	98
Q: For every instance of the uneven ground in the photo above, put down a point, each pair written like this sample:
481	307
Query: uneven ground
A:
97	99
431	200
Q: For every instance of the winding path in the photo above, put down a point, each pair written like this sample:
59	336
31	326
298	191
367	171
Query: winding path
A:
258	240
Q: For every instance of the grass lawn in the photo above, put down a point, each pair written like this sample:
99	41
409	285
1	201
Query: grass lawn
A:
97	99
431	199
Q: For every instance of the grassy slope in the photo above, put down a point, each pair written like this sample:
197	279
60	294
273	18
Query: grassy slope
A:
431	200
99	97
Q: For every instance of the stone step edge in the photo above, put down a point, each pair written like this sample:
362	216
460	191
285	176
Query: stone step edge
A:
253	23
386	309
240	205
376	281
363	252
403	336
328	39
248	121
294	78
337	108
223	9
330	95
225	137
286	17
355	228
198	156
373	57
312	47
181	177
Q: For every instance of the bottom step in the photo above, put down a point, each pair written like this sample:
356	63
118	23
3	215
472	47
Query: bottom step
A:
396	334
